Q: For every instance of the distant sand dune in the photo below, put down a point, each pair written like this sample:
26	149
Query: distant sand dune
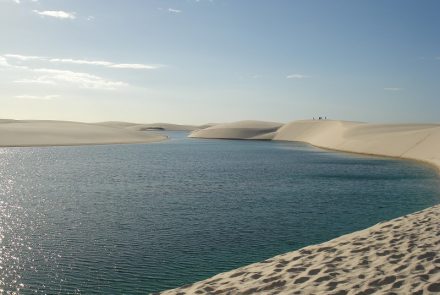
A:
49	133
163	126
152	126
239	130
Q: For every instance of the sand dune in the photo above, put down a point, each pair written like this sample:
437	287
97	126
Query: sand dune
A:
163	126
401	256
152	126
239	130
48	133
412	141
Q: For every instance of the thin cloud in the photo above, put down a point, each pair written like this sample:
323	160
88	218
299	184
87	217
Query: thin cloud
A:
81	62
108	64
56	77
35	81
45	97
174	10
23	57
82	80
56	14
135	66
3	62
297	76
395	89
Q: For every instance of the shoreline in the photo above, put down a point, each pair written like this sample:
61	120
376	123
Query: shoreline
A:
165	137
399	256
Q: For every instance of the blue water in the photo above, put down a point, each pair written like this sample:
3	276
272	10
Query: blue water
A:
141	218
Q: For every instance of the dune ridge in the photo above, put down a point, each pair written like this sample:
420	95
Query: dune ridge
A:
401	256
239	130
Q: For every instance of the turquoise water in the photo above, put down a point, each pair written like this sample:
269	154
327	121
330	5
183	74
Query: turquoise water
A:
141	218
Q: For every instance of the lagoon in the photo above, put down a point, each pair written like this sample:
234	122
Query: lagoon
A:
148	217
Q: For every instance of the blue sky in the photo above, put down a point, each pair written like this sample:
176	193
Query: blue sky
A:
205	61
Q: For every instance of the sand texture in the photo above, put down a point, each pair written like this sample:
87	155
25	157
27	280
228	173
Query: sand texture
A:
239	130
401	256
51	133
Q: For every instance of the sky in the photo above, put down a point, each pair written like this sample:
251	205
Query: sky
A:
200	61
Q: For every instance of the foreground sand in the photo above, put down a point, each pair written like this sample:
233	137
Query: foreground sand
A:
52	133
401	256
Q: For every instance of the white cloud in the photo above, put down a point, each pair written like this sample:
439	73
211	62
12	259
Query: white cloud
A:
81	62
23	57
82	80
3	62
135	66
297	76
174	10
56	14
45	97
90	18
48	76
36	81
393	89
103	63
17	1
77	79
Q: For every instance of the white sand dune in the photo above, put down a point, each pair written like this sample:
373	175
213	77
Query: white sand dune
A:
51	133
401	256
411	141
239	130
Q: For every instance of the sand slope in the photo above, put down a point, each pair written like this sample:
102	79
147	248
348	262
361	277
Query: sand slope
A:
412	141
48	133
401	256
239	130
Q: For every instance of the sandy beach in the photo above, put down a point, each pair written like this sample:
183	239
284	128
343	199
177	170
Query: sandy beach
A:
396	257
401	256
